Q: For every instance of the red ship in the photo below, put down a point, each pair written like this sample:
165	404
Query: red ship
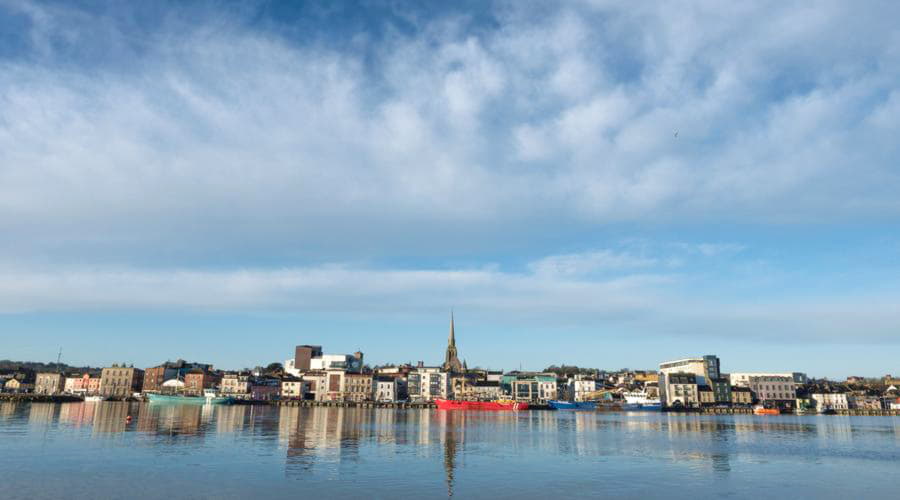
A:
447	404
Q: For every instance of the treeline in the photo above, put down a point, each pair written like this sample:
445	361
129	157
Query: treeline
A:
571	370
7	365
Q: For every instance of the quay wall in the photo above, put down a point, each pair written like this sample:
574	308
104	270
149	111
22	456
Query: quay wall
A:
40	398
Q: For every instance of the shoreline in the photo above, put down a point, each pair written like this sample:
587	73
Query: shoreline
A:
64	398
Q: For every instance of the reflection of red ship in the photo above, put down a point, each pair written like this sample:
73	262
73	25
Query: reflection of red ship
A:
447	404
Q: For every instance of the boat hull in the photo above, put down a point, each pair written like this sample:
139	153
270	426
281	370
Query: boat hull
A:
643	407
766	411
188	400
447	404
573	405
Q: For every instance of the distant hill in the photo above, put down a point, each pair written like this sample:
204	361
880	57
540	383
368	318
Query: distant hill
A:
37	366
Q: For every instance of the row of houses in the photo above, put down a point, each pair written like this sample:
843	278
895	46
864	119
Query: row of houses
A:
698	382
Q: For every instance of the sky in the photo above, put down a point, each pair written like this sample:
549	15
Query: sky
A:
608	184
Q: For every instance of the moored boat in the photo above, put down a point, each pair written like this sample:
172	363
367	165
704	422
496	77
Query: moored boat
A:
572	405
641	401
197	400
761	410
498	405
642	407
93	399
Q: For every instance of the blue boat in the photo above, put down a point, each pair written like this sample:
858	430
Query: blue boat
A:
572	405
642	407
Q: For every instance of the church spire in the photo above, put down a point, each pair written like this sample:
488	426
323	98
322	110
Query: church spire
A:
451	359
451	341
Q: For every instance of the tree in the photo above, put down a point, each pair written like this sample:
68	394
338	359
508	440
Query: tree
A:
274	368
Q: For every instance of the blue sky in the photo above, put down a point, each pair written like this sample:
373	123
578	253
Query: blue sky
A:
220	181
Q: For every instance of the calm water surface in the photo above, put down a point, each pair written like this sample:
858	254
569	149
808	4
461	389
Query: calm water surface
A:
88	450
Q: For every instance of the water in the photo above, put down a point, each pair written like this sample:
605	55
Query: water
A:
89	450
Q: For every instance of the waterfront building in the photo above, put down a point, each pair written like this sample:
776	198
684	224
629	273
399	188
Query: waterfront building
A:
311	358
706	395
155	376
120	382
705	368
49	383
82	384
864	402
386	389
451	359
529	386
679	390
427	383
358	387
315	385
265	388
583	387
741	396
705	371
776	389
830	401
18	385
197	380
347	386
292	388
235	384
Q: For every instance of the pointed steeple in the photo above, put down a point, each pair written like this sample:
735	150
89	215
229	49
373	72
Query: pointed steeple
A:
451	341
451	361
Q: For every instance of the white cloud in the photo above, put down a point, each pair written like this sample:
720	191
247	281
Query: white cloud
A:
216	138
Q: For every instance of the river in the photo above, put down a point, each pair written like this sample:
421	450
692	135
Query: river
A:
91	450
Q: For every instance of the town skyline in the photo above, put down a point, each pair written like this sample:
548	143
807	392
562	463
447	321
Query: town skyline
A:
587	182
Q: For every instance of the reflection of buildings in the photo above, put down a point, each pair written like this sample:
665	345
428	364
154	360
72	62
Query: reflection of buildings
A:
323	433
230	419
109	417
41	414
77	414
7	409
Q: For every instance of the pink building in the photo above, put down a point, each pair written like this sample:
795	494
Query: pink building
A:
84	384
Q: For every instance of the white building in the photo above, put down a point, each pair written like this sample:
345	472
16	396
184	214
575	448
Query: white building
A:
704	368
386	389
581	387
292	389
235	384
427	383
830	401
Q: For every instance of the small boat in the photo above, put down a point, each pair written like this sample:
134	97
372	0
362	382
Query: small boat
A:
498	405
572	405
762	410
93	399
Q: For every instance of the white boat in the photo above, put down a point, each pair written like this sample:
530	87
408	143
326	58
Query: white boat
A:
93	399
641	401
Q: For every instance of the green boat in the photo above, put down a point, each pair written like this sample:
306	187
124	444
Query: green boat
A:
208	398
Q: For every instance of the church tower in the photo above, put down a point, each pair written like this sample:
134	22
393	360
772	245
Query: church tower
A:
451	360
